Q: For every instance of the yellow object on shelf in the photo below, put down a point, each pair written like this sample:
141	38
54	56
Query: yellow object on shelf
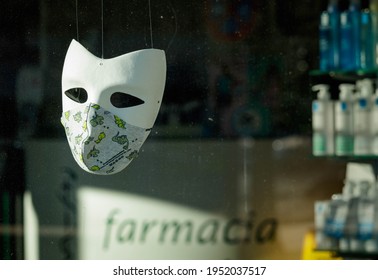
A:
309	251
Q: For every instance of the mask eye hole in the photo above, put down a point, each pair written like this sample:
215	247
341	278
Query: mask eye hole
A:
124	100
77	94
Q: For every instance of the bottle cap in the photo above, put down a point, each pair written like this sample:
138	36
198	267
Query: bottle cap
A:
324	19
346	91
323	91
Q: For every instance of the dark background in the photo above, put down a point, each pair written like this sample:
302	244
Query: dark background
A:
278	39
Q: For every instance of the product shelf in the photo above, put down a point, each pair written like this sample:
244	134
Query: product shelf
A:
346	121
333	81
335	78
345	75
311	252
351	255
349	157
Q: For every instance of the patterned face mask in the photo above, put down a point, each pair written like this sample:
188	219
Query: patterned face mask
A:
101	142
110	105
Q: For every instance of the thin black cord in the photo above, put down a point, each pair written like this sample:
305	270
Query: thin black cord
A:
77	20
176	27
149	12
102	29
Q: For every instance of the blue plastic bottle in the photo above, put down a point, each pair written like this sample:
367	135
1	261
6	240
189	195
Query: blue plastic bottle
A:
347	59
367	41
324	42
334	20
354	15
374	15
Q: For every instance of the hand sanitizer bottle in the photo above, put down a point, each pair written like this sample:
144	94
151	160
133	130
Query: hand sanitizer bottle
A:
344	121
335	225
322	122
322	212
361	118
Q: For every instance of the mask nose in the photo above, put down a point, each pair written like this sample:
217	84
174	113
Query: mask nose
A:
102	98
95	97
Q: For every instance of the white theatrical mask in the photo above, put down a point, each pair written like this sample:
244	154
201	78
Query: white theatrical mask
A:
110	105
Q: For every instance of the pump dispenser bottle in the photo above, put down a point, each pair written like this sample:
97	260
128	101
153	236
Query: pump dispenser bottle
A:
336	221
361	117
344	121
322	122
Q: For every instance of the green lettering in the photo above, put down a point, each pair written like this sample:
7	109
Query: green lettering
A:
177	228
266	230
207	232
146	228
126	231
109	223
233	226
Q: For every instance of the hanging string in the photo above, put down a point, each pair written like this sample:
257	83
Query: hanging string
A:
77	20
176	27
102	29
149	12
102	25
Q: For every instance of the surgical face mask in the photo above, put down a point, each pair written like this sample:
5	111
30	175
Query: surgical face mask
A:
110	105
